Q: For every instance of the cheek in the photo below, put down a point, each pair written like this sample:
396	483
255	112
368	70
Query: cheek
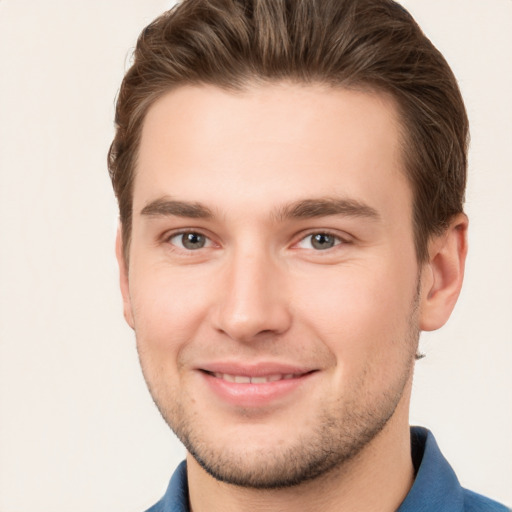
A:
166	309
363	316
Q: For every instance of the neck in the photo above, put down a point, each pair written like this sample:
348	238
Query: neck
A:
377	479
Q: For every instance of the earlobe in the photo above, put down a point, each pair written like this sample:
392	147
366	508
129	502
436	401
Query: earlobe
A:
442	276
123	278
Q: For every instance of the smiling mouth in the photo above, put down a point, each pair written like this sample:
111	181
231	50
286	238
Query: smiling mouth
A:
245	379
256	379
257	386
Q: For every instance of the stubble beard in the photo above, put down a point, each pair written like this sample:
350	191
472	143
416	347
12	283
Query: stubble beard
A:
329	446
337	438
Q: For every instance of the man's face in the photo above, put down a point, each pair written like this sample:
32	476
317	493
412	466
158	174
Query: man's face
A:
273	281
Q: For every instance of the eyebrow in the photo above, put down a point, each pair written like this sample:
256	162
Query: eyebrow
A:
302	209
164	207
321	207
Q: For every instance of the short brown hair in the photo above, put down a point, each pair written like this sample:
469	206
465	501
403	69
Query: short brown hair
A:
373	44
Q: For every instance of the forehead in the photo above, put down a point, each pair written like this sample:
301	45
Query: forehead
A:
268	143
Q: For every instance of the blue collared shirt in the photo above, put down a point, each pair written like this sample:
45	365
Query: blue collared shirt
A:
435	488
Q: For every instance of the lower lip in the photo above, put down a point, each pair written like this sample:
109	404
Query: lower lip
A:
254	395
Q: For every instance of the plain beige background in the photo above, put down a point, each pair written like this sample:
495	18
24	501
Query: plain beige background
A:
78	430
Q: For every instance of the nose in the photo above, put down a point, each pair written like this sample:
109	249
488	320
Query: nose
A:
252	299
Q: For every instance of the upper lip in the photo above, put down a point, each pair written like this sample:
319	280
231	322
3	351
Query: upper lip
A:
261	369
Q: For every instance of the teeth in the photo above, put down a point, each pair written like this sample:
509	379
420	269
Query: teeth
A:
243	379
258	380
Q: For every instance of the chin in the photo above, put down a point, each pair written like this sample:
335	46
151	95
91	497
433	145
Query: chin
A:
252	459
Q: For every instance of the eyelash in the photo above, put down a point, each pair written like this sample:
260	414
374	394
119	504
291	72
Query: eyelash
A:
338	240
183	232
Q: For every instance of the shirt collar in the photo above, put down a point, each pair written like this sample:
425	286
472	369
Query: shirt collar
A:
436	486
176	496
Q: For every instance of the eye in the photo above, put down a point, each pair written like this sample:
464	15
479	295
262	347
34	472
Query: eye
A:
319	241
189	240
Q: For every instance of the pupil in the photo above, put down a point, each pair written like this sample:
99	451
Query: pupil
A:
322	241
193	241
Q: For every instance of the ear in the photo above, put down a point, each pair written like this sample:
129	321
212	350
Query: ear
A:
123	278
442	275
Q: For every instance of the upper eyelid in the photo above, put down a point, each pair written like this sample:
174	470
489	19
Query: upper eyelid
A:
345	237
342	237
167	235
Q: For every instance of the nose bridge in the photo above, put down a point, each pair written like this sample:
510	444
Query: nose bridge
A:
253	299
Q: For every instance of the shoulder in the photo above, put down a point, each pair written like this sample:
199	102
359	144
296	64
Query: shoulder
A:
474	502
175	498
157	507
436	487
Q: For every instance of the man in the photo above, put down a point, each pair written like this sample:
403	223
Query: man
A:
290	178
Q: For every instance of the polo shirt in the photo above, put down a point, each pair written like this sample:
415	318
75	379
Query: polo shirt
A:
435	488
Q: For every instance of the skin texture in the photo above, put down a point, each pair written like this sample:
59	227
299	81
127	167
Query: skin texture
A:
260	182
